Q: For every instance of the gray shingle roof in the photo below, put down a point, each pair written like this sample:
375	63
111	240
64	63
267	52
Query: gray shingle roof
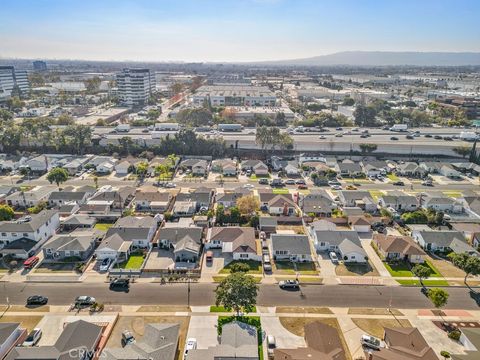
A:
36	221
294	244
347	241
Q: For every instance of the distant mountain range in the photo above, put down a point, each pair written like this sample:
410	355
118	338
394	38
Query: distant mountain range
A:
385	58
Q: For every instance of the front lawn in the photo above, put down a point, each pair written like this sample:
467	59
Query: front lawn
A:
416	282
353	269
134	262
103	226
287	267
280	191
216	309
376	194
393	177
453	194
403	269
255	266
256	177
375	327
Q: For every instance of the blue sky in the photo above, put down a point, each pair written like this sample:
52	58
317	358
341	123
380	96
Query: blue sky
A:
232	30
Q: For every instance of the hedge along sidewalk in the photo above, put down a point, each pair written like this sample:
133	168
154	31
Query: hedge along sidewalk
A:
249	320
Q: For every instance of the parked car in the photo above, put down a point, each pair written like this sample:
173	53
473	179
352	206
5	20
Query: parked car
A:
84	300
209	256
127	338
371	342
105	264
351	187
290	182
336	187
120	284
191	345
289	284
37	300
249	186
333	257
263	181
31	262
300	182
33	338
277	183
271	345
427	183
170	185
398	183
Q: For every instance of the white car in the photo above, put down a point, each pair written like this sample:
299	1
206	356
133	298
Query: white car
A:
336	187
371	342
191	345
170	185
248	186
33	338
333	257
271	345
105	265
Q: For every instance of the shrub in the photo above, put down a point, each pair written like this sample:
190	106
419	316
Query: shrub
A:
239	267
454	335
445	354
250	320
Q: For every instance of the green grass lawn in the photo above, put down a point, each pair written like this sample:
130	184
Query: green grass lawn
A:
133	262
454	194
256	177
287	267
375	194
215	309
402	269
255	266
416	282
280	191
393	177
103	226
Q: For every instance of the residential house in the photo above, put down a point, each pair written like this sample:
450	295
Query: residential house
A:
235	240
99	163
40	164
123	167
198	167
289	167
106	167
186	208
321	225
60	198
151	199
400	202
229	198
432	167
357	198
6	190
11	335
472	205
349	168
226	167
32	197
345	242
161	161
443	241
291	247
323	342
237	341
202	197
375	168
277	204
318	203
79	244
442	203
31	230
77	221
448	171
75	165
467	229
118	198
257	167
404	248
467	167
78	337
405	343
268	224
140	230
360	224
159	342
185	242
114	247
303	158
411	169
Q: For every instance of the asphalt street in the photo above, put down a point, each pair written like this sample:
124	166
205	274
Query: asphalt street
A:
269	295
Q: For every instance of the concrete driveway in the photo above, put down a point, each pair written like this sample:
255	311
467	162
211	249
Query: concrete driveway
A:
218	263
372	255
283	338
204	329
327	268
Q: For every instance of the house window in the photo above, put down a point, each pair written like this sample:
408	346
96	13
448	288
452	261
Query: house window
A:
322	243
4	234
25	234
14	234
243	256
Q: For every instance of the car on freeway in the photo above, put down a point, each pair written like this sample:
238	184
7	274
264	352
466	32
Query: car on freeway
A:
438	137
84	300
37	300
333	257
339	129
105	264
447	138
364	136
33	338
322	137
289	284
190	345
271	345
339	135
394	138
336	187
398	183
120	284
371	342
290	182
410	137
127	338
263	181
428	135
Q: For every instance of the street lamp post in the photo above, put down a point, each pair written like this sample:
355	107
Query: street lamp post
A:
188	287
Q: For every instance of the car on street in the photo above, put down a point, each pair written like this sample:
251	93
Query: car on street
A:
289	284
170	185
339	135
333	257
351	187
371	342
84	300
333	182
127	338
394	138
290	182
427	183
398	183
271	345
120	284
249	186
33	338
37	300
263	181
105	264
277	183
302	187
336	187
300	182
190	345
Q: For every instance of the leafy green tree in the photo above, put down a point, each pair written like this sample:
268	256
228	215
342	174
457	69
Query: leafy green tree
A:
438	297
80	136
142	169
237	292
348	101
37	208
57	176
6	213
468	263
248	204
194	117
65	119
153	114
365	116
367	148
422	272
463	151
5	116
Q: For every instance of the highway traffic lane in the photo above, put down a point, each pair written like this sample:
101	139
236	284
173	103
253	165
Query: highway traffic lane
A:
269	295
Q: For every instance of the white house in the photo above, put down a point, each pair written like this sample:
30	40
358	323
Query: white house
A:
443	240
237	241
360	224
346	243
114	247
399	203
442	203
105	167
31	197
122	167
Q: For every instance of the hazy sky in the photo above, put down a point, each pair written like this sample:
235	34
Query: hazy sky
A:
232	30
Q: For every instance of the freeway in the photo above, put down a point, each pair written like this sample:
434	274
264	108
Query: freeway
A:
269	295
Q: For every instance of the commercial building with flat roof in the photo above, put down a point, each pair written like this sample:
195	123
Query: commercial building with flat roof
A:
234	95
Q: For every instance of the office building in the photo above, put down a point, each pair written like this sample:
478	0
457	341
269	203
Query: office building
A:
234	95
39	65
11	79
135	86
